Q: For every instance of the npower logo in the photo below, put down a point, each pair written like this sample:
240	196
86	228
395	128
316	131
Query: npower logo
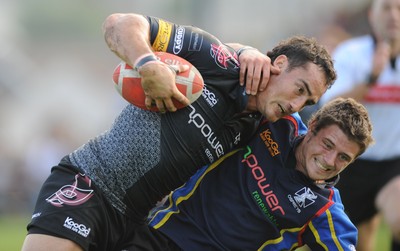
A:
263	182
198	121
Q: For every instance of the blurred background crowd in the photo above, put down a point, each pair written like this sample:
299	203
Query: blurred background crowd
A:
56	90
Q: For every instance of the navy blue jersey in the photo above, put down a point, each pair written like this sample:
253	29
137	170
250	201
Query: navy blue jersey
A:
255	199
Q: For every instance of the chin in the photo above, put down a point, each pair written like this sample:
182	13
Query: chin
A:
273	119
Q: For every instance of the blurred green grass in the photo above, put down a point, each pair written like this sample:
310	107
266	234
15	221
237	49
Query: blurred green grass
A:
383	239
12	234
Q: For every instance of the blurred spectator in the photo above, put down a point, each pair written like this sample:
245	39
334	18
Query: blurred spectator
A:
346	23
43	152
368	70
330	37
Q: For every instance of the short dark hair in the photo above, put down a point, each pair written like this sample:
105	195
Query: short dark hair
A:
301	50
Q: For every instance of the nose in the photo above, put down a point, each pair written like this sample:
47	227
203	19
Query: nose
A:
330	157
297	104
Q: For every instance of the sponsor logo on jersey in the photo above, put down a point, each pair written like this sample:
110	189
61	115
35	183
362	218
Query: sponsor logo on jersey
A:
263	182
199	122
260	202
271	145
36	215
237	138
302	198
222	56
72	195
76	227
196	41
209	96
163	36
178	41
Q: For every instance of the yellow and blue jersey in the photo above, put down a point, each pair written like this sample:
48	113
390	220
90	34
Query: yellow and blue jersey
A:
254	199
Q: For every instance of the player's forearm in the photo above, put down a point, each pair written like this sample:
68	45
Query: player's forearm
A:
127	35
358	92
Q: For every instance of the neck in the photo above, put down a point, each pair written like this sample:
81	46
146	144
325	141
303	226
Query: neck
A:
251	104
300	161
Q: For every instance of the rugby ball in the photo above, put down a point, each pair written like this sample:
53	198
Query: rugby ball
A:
128	81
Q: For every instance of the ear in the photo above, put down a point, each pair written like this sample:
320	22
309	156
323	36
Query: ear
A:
281	61
311	125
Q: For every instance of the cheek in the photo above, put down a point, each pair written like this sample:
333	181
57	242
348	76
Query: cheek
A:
265	97
277	88
341	166
313	151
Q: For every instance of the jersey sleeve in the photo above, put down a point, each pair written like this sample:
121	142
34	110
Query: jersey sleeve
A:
207	53
301	128
291	125
332	230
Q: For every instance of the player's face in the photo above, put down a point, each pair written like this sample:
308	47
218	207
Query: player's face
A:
291	90
384	17
323	155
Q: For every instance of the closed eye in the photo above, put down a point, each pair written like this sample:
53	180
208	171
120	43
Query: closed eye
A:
345	157
328	145
310	102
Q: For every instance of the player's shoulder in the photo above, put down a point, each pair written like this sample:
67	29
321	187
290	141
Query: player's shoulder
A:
294	122
284	131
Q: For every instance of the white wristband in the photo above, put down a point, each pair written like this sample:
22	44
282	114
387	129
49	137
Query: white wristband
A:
144	60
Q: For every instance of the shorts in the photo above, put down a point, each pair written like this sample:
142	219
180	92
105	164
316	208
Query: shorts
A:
360	183
70	206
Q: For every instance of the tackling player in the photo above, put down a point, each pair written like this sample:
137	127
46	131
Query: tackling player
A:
277	193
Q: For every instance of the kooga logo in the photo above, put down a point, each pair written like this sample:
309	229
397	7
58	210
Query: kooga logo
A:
78	228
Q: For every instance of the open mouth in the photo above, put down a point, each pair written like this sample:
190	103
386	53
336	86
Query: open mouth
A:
322	166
